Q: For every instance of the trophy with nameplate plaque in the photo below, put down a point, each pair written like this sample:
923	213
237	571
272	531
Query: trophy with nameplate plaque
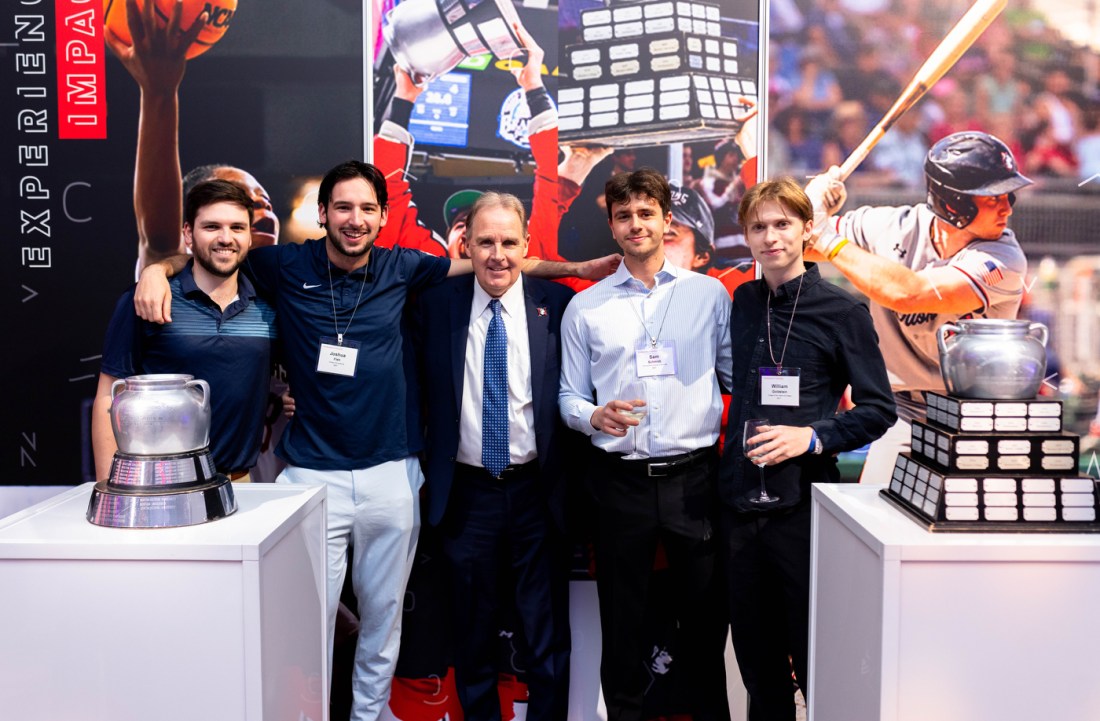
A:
648	72
989	464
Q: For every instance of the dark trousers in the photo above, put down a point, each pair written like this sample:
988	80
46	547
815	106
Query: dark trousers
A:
499	541
635	510
768	584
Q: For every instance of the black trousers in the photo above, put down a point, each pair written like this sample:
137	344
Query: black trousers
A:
500	542
768	587
634	511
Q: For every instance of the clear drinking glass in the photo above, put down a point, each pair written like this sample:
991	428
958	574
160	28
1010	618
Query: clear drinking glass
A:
633	391
754	427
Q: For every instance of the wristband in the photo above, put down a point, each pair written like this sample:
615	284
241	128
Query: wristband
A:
400	112
837	247
813	440
538	101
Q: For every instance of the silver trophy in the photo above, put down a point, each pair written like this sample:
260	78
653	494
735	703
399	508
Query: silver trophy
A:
429	37
163	474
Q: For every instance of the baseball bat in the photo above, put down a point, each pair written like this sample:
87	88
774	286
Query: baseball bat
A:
946	54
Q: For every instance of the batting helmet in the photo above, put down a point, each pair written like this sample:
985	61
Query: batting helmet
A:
966	164
689	209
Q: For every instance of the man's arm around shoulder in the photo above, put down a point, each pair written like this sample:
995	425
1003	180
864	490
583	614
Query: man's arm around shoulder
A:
153	295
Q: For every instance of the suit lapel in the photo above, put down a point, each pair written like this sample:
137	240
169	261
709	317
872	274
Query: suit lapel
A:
460	329
537	334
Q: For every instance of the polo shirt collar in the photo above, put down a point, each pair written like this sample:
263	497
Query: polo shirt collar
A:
324	265
187	279
245	290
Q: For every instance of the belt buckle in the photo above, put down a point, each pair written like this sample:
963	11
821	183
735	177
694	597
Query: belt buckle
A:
662	467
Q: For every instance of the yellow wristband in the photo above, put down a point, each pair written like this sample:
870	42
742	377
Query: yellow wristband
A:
837	248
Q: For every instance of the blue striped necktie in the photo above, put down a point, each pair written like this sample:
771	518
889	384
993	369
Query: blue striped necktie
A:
494	399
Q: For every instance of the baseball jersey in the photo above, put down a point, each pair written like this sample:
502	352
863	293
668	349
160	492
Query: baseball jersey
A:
995	270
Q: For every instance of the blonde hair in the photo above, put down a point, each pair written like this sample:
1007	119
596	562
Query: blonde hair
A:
784	191
493	199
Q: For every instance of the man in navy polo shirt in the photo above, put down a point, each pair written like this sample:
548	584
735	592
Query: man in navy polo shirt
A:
340	302
222	333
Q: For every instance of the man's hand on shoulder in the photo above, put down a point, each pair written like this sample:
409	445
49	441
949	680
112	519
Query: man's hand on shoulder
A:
599	268
153	295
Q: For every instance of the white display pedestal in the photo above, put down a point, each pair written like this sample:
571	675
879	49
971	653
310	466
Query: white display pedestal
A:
907	625
223	621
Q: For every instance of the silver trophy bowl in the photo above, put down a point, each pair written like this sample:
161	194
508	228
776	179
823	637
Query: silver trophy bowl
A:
430	37
159	478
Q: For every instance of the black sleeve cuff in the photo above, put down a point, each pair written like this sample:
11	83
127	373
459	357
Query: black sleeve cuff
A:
400	112
538	101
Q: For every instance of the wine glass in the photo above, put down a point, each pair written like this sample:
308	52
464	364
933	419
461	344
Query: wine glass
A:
754	427
630	391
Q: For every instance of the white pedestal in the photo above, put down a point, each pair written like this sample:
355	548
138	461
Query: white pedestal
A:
907	625
222	621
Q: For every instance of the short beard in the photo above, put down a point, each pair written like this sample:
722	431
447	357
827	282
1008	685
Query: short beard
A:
216	271
338	244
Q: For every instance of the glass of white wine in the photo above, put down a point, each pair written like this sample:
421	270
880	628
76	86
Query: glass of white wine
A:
633	392
754	427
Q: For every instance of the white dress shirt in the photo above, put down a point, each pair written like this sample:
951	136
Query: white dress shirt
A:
521	412
603	327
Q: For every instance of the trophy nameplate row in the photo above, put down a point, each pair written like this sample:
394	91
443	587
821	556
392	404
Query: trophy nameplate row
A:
993	466
637	19
968	415
951	501
623	112
649	56
998	453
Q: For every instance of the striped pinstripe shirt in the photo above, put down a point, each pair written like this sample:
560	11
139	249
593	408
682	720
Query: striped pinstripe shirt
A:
605	324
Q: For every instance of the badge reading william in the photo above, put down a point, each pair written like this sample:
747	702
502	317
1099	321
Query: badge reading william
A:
779	386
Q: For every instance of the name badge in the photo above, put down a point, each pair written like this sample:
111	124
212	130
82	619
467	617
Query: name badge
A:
338	358
656	360
779	386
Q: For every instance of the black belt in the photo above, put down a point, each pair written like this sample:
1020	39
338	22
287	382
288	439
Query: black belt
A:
664	466
514	469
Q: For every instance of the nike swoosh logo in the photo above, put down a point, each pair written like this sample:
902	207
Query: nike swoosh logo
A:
307	286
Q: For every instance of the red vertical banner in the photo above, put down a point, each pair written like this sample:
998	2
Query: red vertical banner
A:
81	90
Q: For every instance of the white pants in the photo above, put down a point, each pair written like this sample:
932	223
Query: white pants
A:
884	452
377	510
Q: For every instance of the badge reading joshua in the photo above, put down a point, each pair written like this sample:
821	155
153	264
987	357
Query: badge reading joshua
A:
338	358
779	386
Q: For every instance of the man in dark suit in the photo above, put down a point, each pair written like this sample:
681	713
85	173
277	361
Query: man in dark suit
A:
489	363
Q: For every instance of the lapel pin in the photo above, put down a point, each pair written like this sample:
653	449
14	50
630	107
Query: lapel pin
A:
540	311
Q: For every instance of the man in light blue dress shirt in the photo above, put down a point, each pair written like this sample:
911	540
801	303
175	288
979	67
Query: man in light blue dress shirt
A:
651	338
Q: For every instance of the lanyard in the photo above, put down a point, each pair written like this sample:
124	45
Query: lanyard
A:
654	338
332	295
783	354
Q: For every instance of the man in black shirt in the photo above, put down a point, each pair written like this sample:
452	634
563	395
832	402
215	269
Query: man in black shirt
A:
798	343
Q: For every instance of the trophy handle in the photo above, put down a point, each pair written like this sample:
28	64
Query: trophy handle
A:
1044	333
119	383
205	391
941	336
